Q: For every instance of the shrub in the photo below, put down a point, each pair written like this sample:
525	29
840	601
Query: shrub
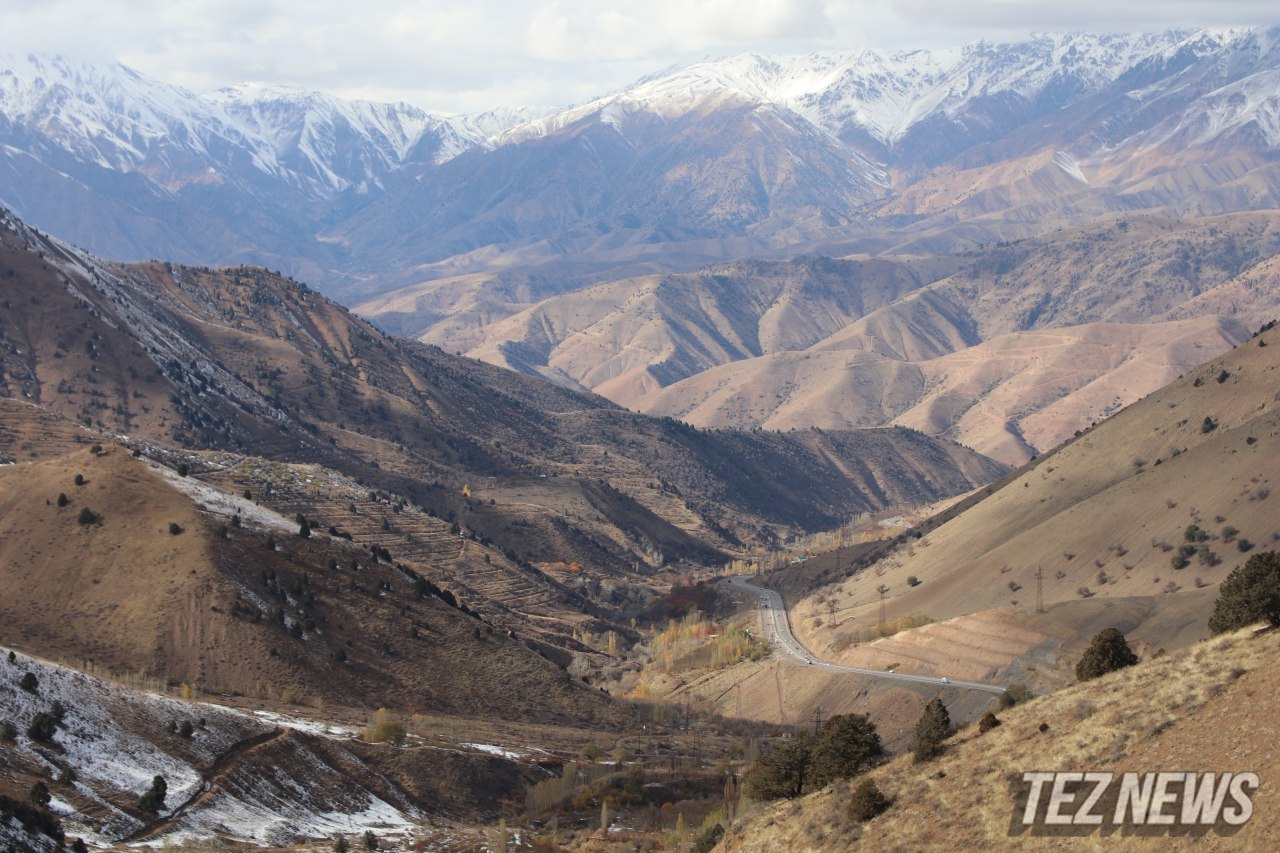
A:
912	580
153	800
79	479
867	801
8	731
709	838
43	727
33	819
1244	545
849	745
29	682
931	730
340	845
1208	425
40	794
1251	593
988	722
783	772
1015	694
87	517
1108	652
63	500
370	840
384	728
183	469
1179	562
186	729
174	528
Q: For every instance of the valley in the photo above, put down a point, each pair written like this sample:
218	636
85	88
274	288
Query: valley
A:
775	452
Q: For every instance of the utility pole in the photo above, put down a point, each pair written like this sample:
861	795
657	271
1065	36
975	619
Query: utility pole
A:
882	589
1039	589
817	720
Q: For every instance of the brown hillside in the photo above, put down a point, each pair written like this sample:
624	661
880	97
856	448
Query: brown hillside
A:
1105	518
257	612
1009	397
245	360
1202	709
1008	341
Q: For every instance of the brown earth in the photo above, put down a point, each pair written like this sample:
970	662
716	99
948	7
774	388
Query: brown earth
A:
1102	518
256	611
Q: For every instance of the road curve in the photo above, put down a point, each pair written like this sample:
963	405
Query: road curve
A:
773	616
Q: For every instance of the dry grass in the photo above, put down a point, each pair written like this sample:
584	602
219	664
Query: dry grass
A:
1195	710
1086	516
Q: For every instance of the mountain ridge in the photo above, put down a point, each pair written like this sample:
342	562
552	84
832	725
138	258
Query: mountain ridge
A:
872	122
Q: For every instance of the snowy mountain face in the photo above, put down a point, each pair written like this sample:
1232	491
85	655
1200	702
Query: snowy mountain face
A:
330	189
884	95
119	119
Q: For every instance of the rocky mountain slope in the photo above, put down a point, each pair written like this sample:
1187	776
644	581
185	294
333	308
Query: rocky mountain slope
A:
241	359
992	347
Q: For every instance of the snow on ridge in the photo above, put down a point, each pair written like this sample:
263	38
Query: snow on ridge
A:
886	93
106	737
1068	164
120	119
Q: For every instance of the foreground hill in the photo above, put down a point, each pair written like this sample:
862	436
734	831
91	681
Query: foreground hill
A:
1197	710
113	559
261	778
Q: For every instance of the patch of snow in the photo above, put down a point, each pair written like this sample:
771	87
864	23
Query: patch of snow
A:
214	500
496	750
310	726
1068	164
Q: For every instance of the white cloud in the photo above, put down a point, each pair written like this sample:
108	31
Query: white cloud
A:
573	30
454	55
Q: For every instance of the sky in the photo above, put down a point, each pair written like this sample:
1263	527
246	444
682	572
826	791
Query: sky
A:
472	55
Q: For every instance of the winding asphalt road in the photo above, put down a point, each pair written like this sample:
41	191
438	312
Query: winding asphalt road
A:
773	616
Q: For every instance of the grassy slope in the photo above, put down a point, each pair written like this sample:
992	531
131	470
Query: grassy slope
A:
1094	514
196	607
1205	708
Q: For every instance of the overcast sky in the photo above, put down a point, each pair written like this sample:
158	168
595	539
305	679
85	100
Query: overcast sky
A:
468	55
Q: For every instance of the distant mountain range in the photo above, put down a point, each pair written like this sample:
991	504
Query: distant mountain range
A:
919	203
762	151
